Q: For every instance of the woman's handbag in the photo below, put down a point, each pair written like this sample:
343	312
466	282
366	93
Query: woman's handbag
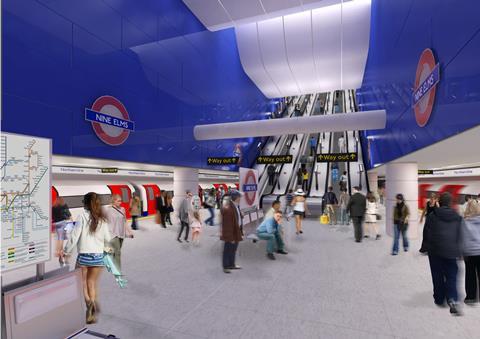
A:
379	216
324	219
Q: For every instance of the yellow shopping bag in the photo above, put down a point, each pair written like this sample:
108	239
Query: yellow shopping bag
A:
324	219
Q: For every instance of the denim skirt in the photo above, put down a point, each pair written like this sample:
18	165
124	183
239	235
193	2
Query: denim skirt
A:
90	259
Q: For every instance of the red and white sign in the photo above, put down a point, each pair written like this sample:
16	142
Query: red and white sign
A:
426	79
249	188
109	134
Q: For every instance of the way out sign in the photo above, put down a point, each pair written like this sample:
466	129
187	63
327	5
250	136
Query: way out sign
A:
337	157
110	120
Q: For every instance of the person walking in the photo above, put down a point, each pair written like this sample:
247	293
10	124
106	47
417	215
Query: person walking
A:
334	172
288	204
401	214
300	209
443	233
196	227
313	146
330	203
343	181
269	230
60	216
118	227
169	209
371	216
231	230
471	251
184	214
271	175
343	202
430	206
356	208
305	179
90	236
299	176
342	146
161	208
135	210
210	205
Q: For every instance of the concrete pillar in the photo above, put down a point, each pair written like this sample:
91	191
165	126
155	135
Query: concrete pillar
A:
402	178
184	179
373	182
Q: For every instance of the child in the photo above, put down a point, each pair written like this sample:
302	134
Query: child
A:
196	227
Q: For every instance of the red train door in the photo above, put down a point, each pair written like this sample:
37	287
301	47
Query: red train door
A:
152	192
126	193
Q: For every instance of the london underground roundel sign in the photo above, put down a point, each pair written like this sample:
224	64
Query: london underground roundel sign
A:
110	120
426	79
250	188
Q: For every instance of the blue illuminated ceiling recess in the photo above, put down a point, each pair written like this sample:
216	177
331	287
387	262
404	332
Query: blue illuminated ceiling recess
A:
154	56
401	31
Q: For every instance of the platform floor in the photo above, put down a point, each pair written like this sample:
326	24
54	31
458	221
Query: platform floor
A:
328	286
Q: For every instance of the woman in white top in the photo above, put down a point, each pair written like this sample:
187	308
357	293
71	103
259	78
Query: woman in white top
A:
90	236
300	208
371	216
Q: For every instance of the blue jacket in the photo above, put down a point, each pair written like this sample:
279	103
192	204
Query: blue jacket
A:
268	226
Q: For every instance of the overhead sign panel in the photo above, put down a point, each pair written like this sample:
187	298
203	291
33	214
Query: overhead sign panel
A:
337	157
274	159
215	161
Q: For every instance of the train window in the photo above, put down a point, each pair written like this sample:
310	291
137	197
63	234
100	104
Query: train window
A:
125	194
76	201
150	193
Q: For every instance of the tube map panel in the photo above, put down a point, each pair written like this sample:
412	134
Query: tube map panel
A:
25	200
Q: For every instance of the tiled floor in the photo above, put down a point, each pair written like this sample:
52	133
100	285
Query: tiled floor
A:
328	286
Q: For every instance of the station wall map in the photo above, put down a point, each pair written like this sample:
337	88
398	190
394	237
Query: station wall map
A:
25	200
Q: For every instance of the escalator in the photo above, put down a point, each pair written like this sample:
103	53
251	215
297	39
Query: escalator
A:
285	148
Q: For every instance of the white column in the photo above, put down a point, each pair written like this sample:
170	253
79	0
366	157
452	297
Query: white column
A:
402	178
373	182
184	179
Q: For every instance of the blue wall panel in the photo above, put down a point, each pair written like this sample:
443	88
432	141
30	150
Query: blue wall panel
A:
401	30
154	56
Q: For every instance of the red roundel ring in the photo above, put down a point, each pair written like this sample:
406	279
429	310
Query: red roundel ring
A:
250	196
98	128
423	109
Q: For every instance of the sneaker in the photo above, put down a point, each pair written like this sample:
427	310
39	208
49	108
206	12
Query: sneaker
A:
405	249
470	302
301	232
271	256
226	270
186	240
366	236
454	309
282	252
179	240
394	253
236	267
378	237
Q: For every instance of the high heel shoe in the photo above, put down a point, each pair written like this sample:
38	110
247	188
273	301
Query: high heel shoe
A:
90	316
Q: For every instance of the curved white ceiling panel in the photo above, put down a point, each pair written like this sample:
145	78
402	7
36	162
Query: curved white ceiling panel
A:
299	45
252	62
319	50
272	46
221	14
356	38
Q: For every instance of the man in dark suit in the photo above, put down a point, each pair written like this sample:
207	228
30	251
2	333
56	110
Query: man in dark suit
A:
160	205
231	230
356	208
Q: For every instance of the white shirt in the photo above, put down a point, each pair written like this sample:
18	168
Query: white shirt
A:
86	241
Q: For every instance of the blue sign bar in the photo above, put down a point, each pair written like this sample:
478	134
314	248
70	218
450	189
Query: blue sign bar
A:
106	119
430	81
250	188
